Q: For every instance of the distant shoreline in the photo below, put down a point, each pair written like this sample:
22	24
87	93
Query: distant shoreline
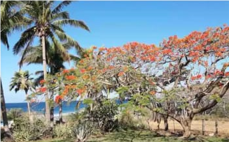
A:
26	102
39	107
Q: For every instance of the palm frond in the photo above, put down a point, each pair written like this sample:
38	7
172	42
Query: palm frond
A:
26	37
47	12
71	22
7	7
49	3
38	72
24	53
75	58
58	46
60	6
55	27
65	38
38	79
33	55
4	38
61	15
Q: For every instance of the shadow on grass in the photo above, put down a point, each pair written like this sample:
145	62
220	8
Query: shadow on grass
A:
127	136
149	136
63	140
217	140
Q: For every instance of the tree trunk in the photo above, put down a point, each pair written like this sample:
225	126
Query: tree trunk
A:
166	124
29	111
3	110
52	112
52	116
174	125
216	127
186	124
60	112
47	108
203	127
7	134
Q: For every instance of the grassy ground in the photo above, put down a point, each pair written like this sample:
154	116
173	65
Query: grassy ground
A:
141	136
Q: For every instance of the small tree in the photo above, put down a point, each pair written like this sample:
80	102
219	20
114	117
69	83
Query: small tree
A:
23	81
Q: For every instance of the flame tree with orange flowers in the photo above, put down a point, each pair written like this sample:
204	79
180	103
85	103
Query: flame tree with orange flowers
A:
179	79
197	68
191	73
97	72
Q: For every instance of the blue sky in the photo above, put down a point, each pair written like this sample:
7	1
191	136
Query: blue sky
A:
116	23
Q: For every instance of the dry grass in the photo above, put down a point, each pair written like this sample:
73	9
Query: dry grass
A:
223	126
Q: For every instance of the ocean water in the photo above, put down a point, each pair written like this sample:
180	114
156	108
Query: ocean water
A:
40	107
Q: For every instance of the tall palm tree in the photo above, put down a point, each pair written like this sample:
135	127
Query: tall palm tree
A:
11	19
22	81
33	55
46	23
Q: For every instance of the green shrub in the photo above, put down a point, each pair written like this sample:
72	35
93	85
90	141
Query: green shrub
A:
26	131
74	117
126	120
63	131
82	130
14	113
103	114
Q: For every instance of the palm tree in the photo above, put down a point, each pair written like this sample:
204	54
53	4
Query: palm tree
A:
33	55
11	20
22	81
46	23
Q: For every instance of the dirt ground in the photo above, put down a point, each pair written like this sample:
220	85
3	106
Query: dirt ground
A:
223	126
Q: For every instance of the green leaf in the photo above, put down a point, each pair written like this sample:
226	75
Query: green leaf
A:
88	101
122	90
216	97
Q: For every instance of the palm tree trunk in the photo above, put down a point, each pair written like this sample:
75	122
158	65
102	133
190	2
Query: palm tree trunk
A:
47	108
3	109
8	134
60	112
29	110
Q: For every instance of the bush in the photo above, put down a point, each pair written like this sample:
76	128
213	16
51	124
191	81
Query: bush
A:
128	120
75	117
82	130
103	114
26	131
63	131
14	113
